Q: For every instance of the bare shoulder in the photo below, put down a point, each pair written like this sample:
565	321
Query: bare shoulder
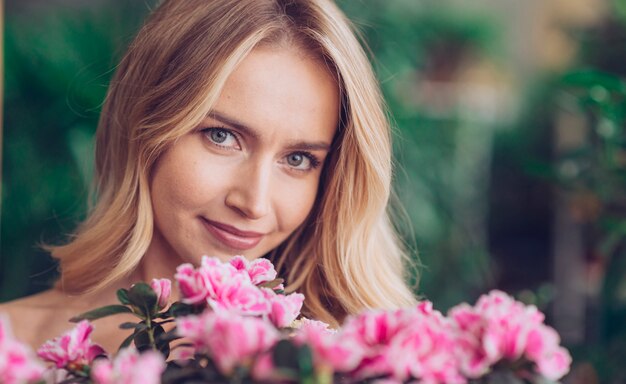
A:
24	308
38	318
45	299
34	318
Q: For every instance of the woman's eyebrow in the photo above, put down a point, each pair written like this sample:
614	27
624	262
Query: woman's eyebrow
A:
302	145
233	123
310	146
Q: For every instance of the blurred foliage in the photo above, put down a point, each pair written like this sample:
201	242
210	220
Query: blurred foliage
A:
594	174
58	62
410	40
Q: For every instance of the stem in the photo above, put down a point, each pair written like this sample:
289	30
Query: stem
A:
150	331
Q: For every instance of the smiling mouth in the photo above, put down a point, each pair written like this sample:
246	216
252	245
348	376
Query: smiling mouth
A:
232	237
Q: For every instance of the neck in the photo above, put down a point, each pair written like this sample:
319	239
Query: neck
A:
160	261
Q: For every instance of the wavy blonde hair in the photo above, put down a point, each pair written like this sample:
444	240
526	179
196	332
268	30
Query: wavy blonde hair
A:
346	256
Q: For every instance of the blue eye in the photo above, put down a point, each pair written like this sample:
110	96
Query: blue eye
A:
302	161
296	159
222	137
218	136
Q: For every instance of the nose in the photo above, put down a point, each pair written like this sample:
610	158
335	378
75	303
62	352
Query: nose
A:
249	194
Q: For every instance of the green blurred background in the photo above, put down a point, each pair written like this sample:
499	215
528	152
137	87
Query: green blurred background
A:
510	145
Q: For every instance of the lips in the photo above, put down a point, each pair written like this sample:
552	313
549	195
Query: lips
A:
232	237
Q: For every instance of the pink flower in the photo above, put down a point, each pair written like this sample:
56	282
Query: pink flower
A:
129	367
239	295
73	349
191	284
555	364
228	338
542	347
163	290
373	332
338	351
18	364
284	308
472	356
229	286
197	285
260	270
499	327
415	343
425	349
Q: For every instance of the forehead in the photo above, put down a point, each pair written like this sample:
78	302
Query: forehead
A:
282	88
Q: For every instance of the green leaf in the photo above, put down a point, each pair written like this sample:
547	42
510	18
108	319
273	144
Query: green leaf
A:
122	296
142	296
169	336
101	312
272	284
162	344
179	309
285	355
143	342
138	326
126	342
305	361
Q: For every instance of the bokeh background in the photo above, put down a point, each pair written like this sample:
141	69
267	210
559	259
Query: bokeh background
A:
510	146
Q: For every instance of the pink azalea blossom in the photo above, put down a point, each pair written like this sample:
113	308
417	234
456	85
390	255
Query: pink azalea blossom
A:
425	348
472	356
499	327
260	270
239	295
163	290
372	331
415	343
73	349
229	338
338	351
191	284
198	284
18	364
305	323
555	364
542	347
284	309
231	286
129	367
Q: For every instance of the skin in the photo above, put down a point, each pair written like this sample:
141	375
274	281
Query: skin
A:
253	164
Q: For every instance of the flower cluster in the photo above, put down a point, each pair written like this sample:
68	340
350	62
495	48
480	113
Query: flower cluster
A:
238	287
498	327
73	350
233	323
229	339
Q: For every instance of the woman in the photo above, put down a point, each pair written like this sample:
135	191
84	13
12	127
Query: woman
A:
236	127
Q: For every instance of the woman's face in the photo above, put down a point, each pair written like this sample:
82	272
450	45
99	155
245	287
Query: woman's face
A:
247	177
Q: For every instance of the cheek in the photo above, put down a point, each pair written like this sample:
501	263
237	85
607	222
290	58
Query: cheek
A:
296	206
182	184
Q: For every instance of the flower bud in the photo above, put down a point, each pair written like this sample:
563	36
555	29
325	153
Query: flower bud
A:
163	289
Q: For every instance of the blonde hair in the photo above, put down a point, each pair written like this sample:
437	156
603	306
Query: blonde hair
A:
346	256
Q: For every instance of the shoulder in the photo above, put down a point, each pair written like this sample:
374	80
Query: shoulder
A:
46	300
33	318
